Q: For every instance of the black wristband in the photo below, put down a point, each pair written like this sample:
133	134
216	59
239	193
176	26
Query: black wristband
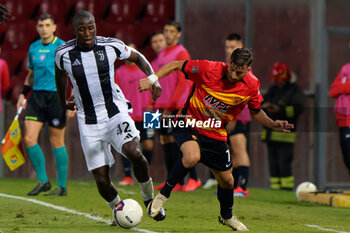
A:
26	90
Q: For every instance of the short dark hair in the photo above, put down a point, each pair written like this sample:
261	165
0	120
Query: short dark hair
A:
80	15
157	33
242	57
175	24
234	36
45	17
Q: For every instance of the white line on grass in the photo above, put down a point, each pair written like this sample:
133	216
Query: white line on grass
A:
325	229
64	209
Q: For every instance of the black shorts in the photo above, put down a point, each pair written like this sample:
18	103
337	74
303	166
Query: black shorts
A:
44	106
214	153
144	133
240	128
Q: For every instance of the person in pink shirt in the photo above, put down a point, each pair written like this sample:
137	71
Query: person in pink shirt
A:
4	70
340	90
127	77
173	98
158	42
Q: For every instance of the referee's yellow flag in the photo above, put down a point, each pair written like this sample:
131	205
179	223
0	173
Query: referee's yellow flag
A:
11	146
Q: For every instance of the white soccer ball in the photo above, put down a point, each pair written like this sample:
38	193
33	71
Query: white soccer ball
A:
127	213
305	187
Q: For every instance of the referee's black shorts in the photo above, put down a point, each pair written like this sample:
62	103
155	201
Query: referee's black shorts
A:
44	106
214	153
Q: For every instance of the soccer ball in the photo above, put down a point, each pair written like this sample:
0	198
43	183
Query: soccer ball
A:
127	213
305	187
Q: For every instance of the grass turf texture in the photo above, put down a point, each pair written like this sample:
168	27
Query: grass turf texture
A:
264	211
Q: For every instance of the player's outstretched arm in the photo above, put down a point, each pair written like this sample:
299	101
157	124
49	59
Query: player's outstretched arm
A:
146	67
146	83
61	85
266	121
140	61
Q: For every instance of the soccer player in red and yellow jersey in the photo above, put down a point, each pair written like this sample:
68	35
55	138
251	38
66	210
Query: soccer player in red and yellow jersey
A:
220	93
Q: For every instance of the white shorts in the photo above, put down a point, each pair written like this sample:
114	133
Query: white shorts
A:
96	140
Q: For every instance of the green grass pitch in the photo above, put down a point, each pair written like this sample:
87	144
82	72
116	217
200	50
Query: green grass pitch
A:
264	211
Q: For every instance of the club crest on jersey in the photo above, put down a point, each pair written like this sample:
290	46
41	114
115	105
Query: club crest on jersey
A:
194	69
42	57
101	55
216	104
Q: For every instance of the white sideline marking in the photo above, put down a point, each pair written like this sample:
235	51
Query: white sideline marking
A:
64	209
126	191
325	229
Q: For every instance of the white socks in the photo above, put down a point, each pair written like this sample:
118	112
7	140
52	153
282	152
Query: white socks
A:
147	190
115	201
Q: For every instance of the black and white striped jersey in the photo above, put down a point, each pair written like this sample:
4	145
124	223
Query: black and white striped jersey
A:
98	97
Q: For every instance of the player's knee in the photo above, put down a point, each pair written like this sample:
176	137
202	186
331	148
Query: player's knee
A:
137	158
190	159
135	155
132	150
29	141
227	183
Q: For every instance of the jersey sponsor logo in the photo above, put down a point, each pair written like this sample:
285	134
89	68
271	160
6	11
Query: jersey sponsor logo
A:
76	63
216	104
151	120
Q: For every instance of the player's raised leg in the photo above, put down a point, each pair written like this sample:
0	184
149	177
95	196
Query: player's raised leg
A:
191	156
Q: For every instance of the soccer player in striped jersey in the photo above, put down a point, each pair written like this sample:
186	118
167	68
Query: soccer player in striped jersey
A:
102	109
220	93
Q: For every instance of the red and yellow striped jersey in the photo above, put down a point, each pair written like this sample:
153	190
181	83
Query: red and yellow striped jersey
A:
214	99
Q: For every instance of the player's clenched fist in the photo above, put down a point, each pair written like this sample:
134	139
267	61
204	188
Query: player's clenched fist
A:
146	83
151	83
